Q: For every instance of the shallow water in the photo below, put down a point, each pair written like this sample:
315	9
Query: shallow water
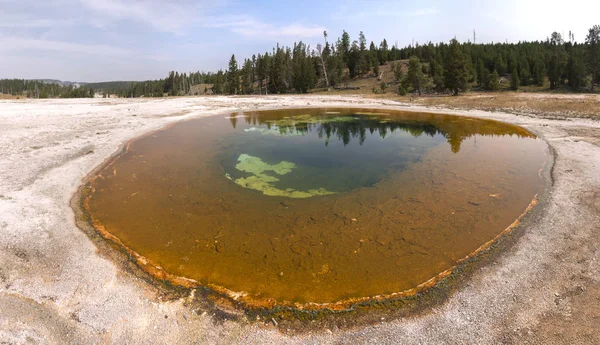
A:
317	205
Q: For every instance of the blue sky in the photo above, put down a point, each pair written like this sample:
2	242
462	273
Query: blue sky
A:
101	40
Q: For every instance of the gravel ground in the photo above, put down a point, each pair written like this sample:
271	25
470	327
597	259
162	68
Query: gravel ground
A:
57	287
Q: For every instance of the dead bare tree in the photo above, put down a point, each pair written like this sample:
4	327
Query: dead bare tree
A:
320	49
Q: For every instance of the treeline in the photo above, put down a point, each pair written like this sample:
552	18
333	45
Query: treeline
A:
176	84
441	68
566	65
110	87
431	68
40	89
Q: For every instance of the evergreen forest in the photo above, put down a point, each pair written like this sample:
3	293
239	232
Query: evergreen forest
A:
556	63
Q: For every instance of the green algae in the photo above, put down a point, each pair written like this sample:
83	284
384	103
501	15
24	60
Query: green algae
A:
364	113
256	166
262	182
275	130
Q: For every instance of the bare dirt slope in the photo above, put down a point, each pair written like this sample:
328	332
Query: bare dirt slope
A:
56	288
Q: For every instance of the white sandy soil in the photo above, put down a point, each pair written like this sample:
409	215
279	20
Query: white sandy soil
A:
56	288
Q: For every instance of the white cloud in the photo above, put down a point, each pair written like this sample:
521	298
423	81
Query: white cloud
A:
423	12
270	31
165	16
352	10
251	27
11	44
179	16
31	23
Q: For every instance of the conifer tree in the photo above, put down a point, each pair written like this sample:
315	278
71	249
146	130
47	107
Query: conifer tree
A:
437	75
593	53
398	74
383	52
539	74
383	86
373	54
415	76
278	71
246	76
362	42
353	59
376	69
514	80
343	47
482	75
576	70
218	85
232	76
494	81
363	58
335	70
455	71
304	75
524	71
557	62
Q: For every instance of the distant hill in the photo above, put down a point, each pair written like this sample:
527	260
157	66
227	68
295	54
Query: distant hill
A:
106	86
110	87
51	88
59	82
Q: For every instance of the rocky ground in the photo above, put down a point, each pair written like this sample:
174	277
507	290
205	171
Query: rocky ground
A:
57	287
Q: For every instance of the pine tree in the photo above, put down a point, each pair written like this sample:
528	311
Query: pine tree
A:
363	56
343	47
514	80
524	71
362	42
304	75
455	71
373	54
539	74
483	75
247	78
401	90
398	74
218	84
494	84
415	76
335	70
593	53
383	52
576	70
383	86
500	65
557	62
437	74
232	76
278	71
353	60
263	66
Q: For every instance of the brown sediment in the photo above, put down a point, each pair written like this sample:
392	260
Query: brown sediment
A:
247	300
